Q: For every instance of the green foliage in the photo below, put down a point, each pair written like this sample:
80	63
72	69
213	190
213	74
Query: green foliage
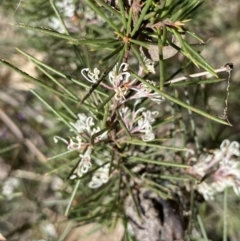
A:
107	35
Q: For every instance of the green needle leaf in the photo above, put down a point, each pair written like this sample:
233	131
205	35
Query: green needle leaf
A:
179	102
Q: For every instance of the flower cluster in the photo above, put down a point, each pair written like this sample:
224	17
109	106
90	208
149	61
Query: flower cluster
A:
121	84
84	126
221	167
139	121
118	79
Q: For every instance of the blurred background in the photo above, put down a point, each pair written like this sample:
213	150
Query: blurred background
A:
32	203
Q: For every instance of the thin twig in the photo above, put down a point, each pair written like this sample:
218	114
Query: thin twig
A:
227	67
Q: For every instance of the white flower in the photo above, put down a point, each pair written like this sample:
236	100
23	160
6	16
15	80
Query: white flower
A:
229	149
83	124
92	77
206	190
75	143
84	127
100	176
218	186
143	91
148	136
148	117
226	170
116	78
127	116
144	124
119	81
121	84
84	165
149	64
103	136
